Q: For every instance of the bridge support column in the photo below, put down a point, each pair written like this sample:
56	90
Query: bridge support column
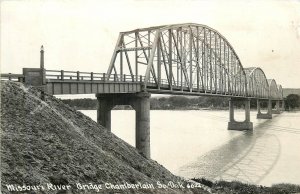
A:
277	108
141	104
235	125
282	105
105	105
142	123
267	115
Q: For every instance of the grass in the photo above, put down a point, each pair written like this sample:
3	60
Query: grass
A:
235	187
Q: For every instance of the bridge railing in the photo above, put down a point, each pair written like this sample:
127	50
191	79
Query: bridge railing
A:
12	77
90	76
72	75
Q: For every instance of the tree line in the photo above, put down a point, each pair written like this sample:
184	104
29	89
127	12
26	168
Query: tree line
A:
181	102
292	102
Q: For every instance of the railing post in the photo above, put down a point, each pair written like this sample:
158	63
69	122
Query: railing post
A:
124	78
9	77
141	78
77	75
104	77
115	77
42	66
62	74
92	76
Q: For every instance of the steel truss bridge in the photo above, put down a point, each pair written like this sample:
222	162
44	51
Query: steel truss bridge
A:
180	59
187	58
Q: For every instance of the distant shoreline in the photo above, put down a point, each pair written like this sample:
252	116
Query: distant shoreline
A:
174	103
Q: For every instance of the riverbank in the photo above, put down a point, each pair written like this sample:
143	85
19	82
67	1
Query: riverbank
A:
235	187
170	103
161	103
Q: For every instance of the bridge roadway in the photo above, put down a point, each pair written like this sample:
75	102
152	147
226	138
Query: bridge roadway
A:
181	59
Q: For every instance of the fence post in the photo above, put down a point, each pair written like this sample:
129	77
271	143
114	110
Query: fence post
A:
141	78
92	76
9	77
77	75
62	74
104	77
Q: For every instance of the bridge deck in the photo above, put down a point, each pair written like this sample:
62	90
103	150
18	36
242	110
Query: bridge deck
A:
75	82
58	87
89	87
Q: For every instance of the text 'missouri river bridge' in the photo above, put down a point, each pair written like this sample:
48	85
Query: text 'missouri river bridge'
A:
181	59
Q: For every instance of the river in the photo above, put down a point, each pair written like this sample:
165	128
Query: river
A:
196	143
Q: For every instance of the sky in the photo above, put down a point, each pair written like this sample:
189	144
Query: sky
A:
80	35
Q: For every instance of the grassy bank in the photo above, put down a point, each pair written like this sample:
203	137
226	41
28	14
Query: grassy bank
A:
50	143
235	187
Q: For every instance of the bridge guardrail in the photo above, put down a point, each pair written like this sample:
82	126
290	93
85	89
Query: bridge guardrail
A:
91	76
12	77
86	76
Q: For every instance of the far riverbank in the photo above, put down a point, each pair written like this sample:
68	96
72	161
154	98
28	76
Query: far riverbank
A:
168	103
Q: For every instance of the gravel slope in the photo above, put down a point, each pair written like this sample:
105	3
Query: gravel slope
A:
47	141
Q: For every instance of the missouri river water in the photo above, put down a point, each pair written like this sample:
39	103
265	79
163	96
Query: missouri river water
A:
197	144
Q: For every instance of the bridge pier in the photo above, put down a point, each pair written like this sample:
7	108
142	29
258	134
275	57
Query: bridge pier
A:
105	105
277	108
282	105
140	102
267	115
235	125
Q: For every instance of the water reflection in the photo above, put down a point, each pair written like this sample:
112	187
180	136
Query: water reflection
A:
247	158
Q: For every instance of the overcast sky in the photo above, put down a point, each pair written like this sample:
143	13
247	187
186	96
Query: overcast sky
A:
81	35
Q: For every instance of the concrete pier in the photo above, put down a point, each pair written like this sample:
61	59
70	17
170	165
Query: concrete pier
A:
282	105
105	105
267	115
140	102
142	123
235	125
277	108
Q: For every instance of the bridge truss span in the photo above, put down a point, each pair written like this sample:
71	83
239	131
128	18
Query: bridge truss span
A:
184	57
257	83
275	91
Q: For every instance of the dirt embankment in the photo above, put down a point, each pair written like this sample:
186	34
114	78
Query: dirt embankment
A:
49	143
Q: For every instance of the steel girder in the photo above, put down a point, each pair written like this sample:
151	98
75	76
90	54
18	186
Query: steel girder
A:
185	57
280	92
257	84
275	92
